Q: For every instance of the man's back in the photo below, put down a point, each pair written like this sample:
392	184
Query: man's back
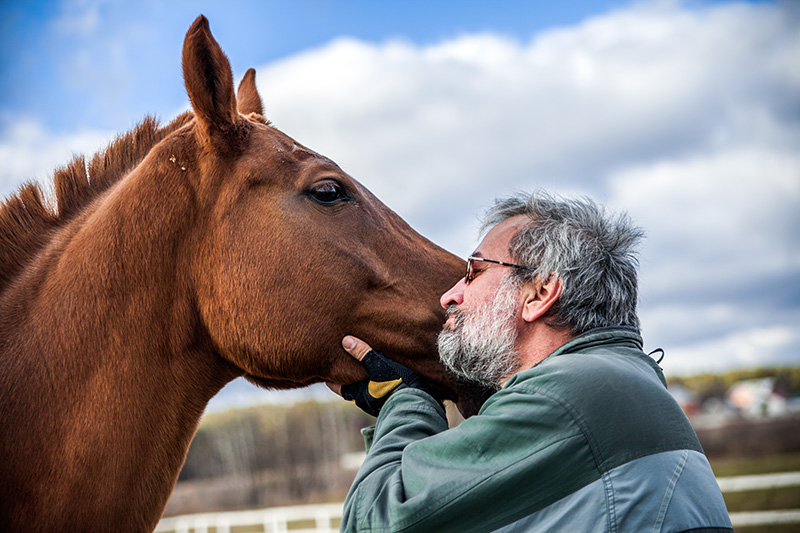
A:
628	459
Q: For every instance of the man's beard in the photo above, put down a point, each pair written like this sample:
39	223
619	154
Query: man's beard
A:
480	347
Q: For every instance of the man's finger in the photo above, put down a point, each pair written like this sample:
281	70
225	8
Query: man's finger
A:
355	347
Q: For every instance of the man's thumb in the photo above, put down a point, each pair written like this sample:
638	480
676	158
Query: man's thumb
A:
355	347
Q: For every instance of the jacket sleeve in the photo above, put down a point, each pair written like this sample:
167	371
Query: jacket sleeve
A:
481	475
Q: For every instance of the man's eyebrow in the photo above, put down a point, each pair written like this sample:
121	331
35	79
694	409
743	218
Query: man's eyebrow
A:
476	254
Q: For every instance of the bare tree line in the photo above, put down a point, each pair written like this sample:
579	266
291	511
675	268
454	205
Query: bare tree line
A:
270	455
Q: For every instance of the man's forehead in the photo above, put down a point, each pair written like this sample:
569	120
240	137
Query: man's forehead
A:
499	237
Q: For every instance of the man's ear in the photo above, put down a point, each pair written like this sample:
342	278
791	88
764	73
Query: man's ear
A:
539	297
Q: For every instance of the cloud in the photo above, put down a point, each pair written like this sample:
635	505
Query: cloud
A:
734	213
474	116
736	349
721	269
687	118
30	152
78	17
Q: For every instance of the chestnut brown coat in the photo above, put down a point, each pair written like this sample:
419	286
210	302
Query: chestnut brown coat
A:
176	260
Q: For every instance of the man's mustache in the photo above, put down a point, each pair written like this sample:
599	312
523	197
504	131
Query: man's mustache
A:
458	316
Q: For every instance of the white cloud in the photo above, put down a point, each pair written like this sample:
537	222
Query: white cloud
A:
78	17
716	219
735	349
31	153
686	118
481	114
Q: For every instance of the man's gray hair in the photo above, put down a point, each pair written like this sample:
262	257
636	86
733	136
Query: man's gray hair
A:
593	253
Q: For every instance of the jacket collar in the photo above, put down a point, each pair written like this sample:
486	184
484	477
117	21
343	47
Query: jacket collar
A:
616	336
599	337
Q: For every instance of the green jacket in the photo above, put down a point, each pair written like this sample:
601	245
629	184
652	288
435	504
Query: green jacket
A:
587	440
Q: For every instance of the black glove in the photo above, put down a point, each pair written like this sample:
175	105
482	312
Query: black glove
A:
385	377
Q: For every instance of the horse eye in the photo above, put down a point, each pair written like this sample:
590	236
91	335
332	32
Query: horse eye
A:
328	193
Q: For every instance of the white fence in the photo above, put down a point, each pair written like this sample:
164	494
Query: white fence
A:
765	518
325	518
299	519
760	482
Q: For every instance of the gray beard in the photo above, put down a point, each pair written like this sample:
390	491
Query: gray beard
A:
481	346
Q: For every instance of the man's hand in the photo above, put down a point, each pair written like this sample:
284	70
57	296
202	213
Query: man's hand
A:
385	377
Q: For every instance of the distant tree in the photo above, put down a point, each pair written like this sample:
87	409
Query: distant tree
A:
276	454
708	385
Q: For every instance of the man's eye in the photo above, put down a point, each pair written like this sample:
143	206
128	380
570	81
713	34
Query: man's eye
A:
327	193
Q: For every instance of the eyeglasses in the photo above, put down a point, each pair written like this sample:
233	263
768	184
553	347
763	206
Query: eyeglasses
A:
471	269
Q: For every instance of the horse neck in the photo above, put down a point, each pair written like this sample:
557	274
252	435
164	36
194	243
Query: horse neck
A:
104	353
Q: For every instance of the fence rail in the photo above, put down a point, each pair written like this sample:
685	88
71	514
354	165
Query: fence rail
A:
325	518
761	482
298	518
765	518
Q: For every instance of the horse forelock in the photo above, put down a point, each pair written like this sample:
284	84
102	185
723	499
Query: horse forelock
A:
28	218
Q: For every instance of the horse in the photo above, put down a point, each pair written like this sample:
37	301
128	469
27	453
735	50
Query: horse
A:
174	261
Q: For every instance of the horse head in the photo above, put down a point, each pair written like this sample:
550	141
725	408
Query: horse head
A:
293	253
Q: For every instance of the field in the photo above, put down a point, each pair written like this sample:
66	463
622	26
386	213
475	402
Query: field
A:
757	448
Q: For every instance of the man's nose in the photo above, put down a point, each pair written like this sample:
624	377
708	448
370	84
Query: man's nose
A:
455	296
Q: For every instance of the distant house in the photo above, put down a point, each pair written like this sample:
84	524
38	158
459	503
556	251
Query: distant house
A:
688	400
758	398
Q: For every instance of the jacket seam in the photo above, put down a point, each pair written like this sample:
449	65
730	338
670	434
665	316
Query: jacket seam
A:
669	492
608	488
358	494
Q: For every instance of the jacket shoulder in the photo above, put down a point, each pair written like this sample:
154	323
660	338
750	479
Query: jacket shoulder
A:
617	400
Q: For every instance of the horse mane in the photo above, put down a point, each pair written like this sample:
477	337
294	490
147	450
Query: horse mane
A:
28	218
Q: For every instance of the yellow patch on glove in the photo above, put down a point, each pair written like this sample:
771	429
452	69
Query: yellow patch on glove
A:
379	389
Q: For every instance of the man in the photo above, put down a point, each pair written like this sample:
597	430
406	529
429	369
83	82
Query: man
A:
582	434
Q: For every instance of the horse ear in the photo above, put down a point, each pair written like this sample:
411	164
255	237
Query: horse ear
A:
247	96
208	78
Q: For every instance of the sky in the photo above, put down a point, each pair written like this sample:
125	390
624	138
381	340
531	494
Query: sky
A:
685	114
